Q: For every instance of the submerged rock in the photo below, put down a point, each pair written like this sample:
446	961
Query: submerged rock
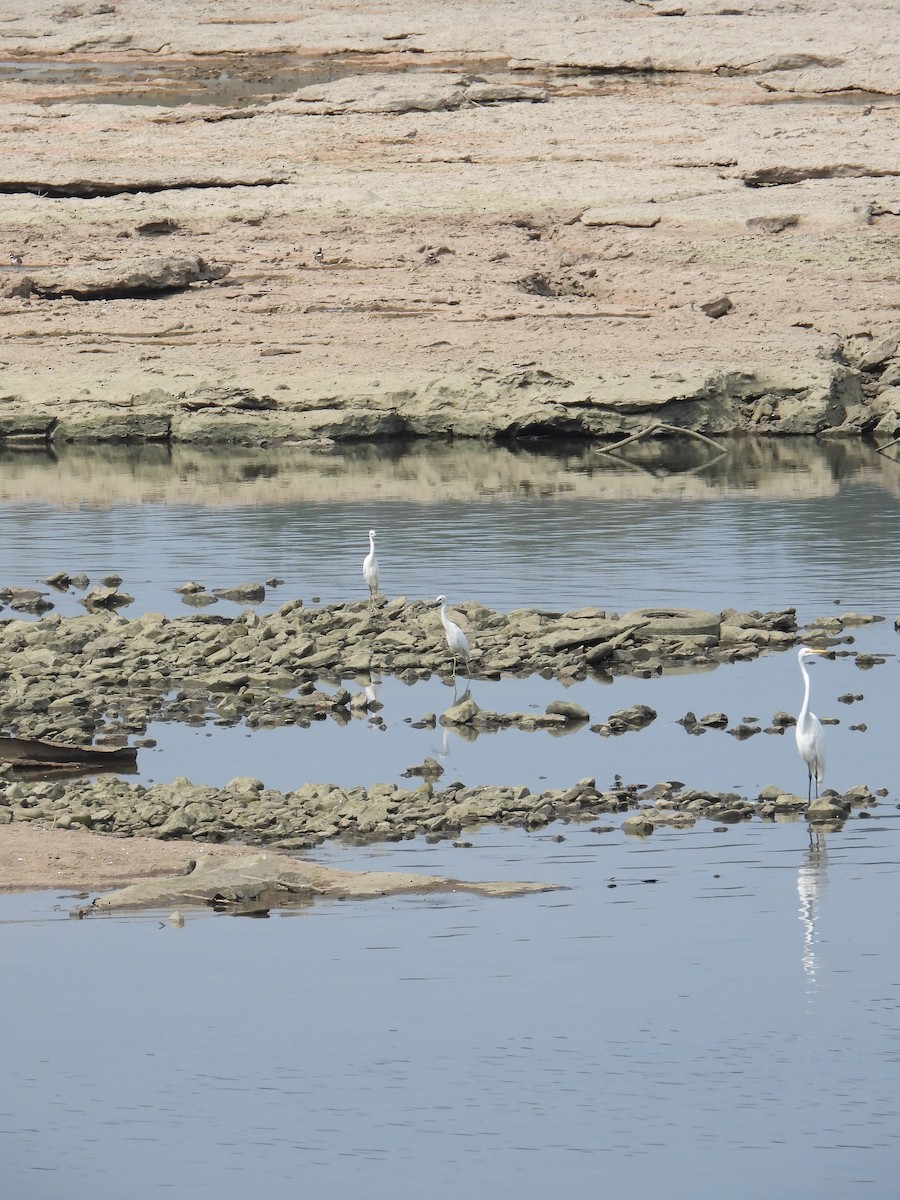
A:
274	880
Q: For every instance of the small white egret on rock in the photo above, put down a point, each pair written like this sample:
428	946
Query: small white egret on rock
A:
809	734
370	567
456	639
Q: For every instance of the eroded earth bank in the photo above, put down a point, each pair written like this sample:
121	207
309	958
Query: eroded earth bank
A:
267	222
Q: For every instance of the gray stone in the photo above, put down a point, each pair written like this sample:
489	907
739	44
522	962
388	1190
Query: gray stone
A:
126	277
568	710
717	308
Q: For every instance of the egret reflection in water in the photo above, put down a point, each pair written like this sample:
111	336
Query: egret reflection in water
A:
812	878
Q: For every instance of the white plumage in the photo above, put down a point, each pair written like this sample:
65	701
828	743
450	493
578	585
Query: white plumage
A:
370	567
809	733
456	639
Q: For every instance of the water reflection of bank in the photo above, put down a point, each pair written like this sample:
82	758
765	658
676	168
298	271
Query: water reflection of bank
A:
429	472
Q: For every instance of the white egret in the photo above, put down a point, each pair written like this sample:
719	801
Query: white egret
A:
370	567
456	639
809	733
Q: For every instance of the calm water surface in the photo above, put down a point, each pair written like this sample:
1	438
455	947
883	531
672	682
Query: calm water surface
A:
766	526
726	1015
722	1021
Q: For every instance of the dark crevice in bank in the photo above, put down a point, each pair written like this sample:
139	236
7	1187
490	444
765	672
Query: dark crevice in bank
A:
88	189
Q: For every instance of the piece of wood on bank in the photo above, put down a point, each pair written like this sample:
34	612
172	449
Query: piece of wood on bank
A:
30	754
661	427
887	445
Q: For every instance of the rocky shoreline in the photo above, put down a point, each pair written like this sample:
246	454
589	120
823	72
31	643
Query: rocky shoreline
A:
856	395
103	678
246	811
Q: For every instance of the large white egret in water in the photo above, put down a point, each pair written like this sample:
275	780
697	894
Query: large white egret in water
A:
370	567
456	639
809	733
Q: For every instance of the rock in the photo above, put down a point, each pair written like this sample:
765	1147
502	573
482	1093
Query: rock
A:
274	880
858	794
496	93
430	769
743	731
638	825
635	717
783	719
676	622
20	284
773	224
714	720
786	802
27	600
636	216
829	807
157	228
244	593
105	598
126	278
880	353
420	91
463	713
568	710
717	308
199	599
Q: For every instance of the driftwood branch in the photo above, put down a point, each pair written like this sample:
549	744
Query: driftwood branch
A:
660	427
887	445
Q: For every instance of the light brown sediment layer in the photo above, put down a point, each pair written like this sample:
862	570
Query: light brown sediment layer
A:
441	223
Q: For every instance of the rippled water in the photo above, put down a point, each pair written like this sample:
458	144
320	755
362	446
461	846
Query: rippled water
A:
698	1015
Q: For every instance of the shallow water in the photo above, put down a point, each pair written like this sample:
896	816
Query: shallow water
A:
771	524
360	752
734	1019
730	1009
768	525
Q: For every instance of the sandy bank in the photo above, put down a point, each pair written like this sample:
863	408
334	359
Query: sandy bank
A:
446	224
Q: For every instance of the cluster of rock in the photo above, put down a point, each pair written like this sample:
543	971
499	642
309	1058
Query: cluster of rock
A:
102	677
876	366
102	674
247	811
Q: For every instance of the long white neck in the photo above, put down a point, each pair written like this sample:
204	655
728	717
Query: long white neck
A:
371	544
805	707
